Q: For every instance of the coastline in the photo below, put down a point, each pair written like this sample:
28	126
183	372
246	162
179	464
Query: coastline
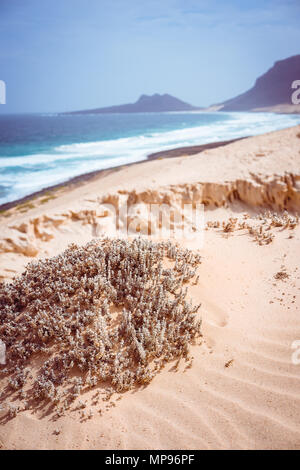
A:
243	370
84	177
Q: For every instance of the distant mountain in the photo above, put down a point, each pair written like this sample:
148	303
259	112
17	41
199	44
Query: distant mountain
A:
271	92
145	104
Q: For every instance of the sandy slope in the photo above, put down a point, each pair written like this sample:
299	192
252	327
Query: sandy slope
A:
284	108
243	389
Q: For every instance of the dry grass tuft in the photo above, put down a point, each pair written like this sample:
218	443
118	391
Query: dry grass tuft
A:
105	313
281	275
260	227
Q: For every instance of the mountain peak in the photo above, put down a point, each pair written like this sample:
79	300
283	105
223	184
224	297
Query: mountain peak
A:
145	104
271	89
149	97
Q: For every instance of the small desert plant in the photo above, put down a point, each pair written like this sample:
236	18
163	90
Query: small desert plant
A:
258	227
106	312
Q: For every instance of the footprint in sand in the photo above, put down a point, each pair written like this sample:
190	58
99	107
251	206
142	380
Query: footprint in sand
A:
214	315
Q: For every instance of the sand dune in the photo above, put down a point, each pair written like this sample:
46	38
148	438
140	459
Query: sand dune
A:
242	391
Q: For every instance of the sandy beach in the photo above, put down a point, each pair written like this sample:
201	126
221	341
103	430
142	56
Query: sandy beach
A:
242	389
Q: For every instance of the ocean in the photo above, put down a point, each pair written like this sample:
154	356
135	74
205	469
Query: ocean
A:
40	150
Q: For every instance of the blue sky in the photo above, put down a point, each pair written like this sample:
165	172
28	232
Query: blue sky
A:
59	55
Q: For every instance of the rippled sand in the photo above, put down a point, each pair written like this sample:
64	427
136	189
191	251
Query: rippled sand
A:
242	390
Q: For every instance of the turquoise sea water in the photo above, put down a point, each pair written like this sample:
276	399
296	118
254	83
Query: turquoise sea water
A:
37	151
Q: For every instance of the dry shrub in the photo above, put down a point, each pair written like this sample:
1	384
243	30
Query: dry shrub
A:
108	312
259	227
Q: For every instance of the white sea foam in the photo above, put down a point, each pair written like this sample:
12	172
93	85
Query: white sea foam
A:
67	161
